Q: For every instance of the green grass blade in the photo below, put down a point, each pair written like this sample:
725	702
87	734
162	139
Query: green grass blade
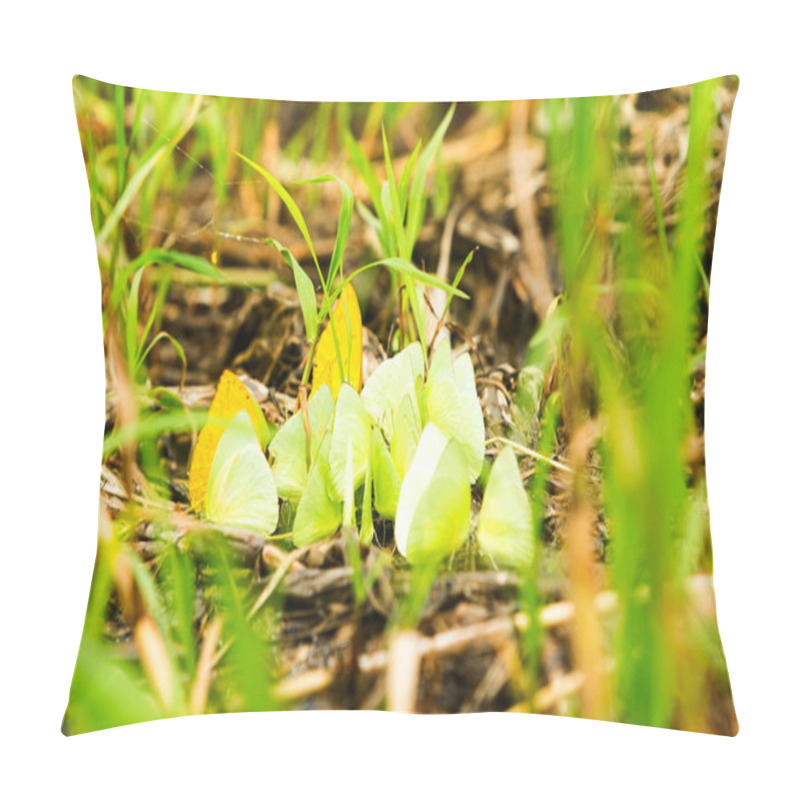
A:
144	170
457	280
343	227
163	335
407	270
397	208
182	582
132	319
408	172
156	255
153	426
290	204
305	290
417	198
119	110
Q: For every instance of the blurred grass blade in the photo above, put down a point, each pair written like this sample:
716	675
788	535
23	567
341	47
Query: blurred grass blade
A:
138	177
408	270
157	255
396	205
343	227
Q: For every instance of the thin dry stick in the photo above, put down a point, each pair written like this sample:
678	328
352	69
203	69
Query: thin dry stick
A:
553	615
500	672
457	639
497	385
451	641
564	686
304	684
528	452
275	580
563	612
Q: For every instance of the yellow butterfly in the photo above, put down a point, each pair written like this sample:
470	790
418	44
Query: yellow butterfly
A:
346	322
232	396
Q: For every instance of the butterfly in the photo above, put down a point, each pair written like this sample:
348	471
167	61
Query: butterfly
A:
433	510
230	481
338	355
505	529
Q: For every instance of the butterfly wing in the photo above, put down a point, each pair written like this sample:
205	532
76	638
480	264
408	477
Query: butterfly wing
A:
342	338
440	524
452	404
231	397
292	451
241	490
420	473
392	378
319	515
351	433
505	530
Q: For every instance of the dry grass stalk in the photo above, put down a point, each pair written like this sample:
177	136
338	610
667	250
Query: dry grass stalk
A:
205	667
579	549
155	660
304	684
402	673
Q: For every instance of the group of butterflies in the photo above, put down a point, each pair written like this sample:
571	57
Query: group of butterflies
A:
414	444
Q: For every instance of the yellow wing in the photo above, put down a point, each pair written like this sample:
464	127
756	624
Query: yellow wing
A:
346	322
231	397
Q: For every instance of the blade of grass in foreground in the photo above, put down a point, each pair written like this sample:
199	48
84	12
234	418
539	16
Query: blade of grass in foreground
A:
580	149
138	177
248	655
153	426
646	482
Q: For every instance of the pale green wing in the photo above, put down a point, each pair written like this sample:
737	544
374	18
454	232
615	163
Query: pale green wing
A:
473	431
464	375
348	517
407	431
452	405
505	530
289	446
241	490
441	521
392	379
318	515
384	477
420	473
351	429
441	361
